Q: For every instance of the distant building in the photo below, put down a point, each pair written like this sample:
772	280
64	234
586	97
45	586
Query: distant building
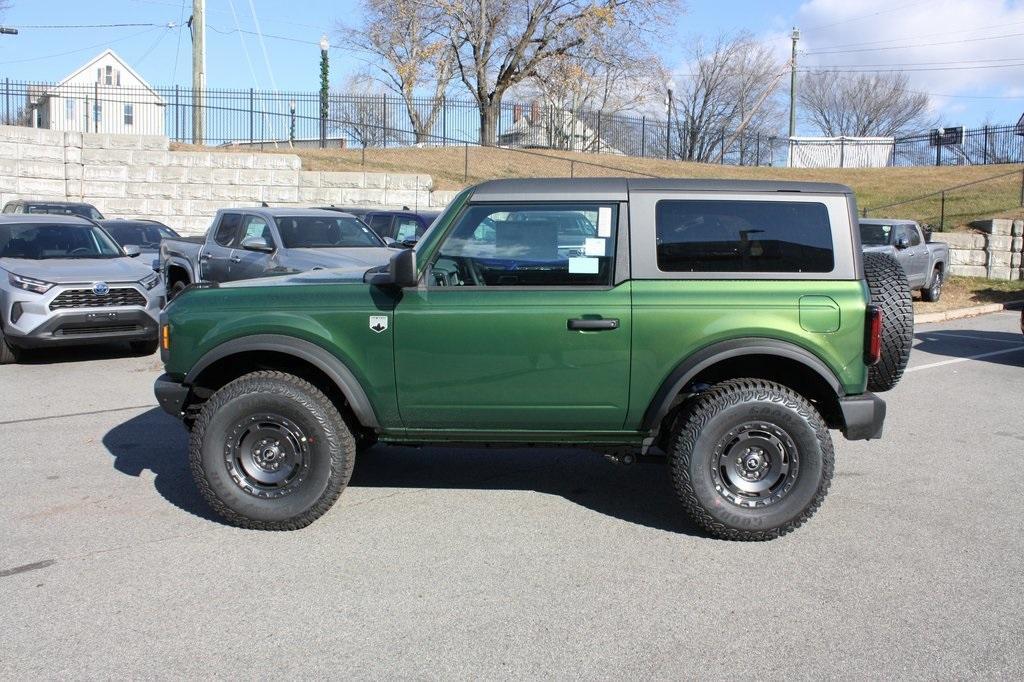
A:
552	128
104	95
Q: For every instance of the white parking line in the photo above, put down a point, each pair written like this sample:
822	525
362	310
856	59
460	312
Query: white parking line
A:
969	336
971	357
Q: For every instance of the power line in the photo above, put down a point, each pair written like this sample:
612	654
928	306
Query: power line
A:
906	70
868	16
905	47
63	26
177	48
81	49
917	36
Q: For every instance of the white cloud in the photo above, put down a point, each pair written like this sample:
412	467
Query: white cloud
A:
916	35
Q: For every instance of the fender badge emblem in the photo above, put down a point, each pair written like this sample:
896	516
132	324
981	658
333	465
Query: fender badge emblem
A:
379	323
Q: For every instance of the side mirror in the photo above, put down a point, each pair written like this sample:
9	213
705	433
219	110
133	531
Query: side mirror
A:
257	244
131	250
400	272
902	242
409	243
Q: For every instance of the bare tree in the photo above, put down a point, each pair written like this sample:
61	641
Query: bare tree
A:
414	58
500	43
863	105
362	113
732	84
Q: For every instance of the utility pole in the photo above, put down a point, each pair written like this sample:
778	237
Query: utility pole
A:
198	25
792	83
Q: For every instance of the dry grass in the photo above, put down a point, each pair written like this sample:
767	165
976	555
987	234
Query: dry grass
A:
456	167
963	292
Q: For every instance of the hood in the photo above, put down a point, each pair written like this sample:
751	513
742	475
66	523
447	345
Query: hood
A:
349	275
81	270
367	256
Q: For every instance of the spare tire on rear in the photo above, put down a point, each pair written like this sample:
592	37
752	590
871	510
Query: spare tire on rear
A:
890	291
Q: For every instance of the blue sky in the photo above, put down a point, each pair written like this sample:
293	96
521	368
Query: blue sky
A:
964	52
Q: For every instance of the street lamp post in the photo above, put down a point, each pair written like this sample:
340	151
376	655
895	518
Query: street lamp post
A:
324	73
669	86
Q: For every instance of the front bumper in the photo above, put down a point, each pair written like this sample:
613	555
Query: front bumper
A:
863	416
171	394
75	328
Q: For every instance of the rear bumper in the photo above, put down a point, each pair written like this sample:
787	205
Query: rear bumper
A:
171	394
79	328
863	416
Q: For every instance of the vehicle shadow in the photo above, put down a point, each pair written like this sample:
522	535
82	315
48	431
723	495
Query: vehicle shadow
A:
157	442
52	356
969	342
640	493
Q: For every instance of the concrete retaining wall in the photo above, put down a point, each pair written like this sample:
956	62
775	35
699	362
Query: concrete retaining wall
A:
137	176
994	251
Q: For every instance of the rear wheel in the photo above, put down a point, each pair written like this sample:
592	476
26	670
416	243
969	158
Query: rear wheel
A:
8	353
751	460
933	291
890	291
271	451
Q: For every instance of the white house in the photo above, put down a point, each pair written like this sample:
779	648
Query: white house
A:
104	95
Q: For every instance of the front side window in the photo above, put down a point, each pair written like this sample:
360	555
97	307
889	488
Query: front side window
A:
318	232
406	229
381	224
37	241
912	235
529	245
257	227
227	230
724	235
873	234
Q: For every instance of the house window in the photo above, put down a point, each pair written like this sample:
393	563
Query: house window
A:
97	112
109	80
118	78
129	114
69	108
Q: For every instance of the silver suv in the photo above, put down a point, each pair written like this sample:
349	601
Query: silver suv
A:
65	281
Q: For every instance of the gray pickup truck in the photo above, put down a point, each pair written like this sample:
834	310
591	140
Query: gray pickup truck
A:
247	243
924	261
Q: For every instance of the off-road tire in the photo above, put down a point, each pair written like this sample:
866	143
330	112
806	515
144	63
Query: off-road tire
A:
933	291
144	348
176	289
890	291
713	418
8	353
330	452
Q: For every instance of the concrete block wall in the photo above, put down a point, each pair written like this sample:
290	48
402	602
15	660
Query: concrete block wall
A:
138	176
993	251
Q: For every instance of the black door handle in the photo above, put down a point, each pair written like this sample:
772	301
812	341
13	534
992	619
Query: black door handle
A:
585	324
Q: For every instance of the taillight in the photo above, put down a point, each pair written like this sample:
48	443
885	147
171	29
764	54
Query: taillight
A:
873	335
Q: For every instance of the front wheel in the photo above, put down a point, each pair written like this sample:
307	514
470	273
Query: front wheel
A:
8	353
751	460
270	451
933	291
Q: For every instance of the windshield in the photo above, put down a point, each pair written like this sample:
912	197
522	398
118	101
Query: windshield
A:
323	232
143	235
84	210
41	241
874	234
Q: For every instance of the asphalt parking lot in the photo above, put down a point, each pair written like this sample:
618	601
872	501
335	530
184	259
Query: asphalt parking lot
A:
461	563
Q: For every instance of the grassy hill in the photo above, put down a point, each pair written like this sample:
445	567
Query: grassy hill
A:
456	167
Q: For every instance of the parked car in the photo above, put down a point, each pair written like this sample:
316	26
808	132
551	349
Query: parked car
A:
924	261
53	207
404	227
725	323
64	281
246	243
145	234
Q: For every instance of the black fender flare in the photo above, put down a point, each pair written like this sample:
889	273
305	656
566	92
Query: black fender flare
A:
310	352
686	370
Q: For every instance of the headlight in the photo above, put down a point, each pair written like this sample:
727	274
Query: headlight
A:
151	281
36	286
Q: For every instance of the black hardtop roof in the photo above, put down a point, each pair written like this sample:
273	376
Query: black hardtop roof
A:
617	189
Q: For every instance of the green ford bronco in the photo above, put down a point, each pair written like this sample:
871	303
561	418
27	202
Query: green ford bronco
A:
724	326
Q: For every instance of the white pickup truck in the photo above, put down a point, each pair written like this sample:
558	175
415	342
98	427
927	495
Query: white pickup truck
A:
924	261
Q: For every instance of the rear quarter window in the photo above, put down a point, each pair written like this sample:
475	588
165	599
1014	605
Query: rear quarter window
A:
696	235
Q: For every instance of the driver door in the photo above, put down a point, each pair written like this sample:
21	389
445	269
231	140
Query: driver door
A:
247	264
508	333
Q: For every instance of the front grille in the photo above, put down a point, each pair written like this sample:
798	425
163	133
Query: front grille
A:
109	329
85	298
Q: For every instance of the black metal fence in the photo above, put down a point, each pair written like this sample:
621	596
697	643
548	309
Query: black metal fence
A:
260	118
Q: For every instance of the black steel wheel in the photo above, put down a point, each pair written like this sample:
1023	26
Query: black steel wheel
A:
750	460
270	451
